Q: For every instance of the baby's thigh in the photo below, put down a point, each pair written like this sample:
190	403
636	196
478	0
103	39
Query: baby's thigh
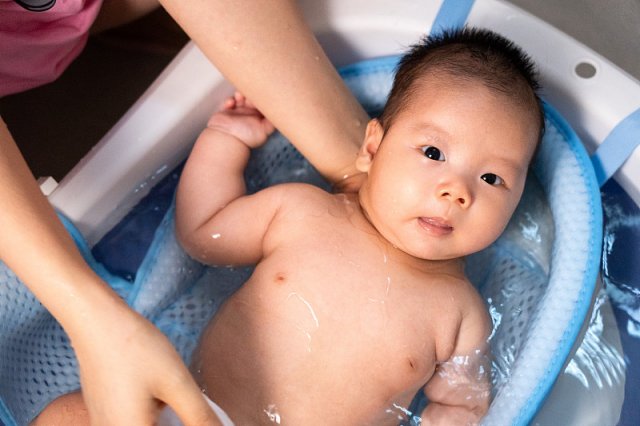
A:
67	410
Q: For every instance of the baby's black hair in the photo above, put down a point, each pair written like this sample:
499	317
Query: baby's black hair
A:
471	54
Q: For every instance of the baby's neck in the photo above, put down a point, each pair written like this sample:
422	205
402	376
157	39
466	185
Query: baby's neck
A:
453	266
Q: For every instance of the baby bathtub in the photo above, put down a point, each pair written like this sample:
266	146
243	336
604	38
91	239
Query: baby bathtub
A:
598	100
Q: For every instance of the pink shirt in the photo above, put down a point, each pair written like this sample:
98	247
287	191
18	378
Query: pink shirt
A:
36	47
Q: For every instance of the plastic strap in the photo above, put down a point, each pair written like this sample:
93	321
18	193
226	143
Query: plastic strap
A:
452	14
617	147
5	415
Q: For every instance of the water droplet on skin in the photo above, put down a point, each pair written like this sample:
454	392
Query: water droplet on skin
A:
272	413
400	412
309	307
305	329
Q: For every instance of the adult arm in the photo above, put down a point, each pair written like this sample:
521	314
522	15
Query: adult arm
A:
268	52
126	364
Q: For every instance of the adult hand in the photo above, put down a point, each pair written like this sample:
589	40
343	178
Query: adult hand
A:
129	370
126	365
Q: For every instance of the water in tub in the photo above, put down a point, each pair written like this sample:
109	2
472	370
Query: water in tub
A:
621	276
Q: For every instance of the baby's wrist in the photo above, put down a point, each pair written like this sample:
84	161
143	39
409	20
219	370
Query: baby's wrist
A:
223	134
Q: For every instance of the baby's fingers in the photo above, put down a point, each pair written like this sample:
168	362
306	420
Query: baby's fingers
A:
241	100
238	102
229	103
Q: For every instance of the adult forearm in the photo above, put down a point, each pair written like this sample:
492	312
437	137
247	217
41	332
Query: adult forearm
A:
267	51
35	245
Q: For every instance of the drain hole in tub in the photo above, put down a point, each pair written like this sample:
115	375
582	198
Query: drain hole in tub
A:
585	70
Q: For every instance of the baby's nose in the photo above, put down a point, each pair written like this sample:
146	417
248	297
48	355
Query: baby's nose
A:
457	193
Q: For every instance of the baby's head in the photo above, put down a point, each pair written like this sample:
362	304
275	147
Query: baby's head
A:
447	160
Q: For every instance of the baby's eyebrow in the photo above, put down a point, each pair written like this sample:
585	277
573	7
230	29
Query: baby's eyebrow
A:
431	133
509	163
426	127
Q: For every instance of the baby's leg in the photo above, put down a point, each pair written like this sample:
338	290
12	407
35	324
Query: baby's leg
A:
67	410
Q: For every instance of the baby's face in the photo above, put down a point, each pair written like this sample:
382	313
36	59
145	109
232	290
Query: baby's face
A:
445	178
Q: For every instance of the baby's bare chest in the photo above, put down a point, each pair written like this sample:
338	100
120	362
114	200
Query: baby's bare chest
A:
350	303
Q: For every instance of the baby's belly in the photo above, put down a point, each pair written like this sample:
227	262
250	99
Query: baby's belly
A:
275	354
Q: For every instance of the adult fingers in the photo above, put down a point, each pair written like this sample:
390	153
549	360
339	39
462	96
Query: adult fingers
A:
189	404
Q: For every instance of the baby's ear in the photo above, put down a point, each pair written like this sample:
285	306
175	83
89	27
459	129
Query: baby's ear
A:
372	139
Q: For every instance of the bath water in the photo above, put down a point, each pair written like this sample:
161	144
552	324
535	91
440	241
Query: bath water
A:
621	275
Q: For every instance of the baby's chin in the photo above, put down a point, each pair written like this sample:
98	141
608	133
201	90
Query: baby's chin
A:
435	253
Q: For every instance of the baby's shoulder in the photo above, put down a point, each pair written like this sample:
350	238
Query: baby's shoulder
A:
467	298
296	201
475	325
470	316
300	195
454	282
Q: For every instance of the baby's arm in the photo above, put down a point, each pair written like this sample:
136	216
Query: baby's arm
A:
459	392
215	223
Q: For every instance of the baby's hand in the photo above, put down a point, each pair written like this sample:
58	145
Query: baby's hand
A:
241	119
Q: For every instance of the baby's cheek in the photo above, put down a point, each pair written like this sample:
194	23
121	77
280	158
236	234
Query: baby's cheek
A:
489	229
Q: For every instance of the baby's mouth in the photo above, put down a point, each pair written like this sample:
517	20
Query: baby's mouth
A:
435	225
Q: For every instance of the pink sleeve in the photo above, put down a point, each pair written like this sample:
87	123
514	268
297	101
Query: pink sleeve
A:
36	47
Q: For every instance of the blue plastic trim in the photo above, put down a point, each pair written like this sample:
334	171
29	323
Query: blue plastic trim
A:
6	418
452	14
616	148
368	66
589	279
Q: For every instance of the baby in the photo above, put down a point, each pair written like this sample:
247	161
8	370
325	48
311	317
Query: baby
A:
358	301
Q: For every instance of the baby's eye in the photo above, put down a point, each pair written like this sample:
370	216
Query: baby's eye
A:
433	153
492	179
